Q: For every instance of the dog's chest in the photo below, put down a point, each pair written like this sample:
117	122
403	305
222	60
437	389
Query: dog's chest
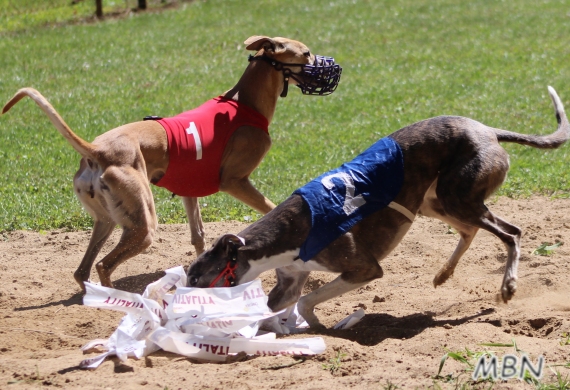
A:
342	197
196	142
287	258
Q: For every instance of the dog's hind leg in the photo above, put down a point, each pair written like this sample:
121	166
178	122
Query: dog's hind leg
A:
88	190
462	191
197	233
431	207
102	229
131	205
511	236
132	242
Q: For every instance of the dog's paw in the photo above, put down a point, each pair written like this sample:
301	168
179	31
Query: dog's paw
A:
508	290
273	324
309	315
441	278
314	322
317	326
199	248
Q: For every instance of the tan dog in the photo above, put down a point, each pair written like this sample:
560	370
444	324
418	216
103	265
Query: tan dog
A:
113	179
449	166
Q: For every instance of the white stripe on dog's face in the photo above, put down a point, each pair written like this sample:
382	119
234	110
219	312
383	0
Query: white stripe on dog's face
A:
280	260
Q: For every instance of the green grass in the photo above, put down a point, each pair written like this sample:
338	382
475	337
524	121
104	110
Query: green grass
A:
403	61
335	363
26	14
546	248
17	15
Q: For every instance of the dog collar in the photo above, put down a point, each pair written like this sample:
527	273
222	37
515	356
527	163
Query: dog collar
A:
398	207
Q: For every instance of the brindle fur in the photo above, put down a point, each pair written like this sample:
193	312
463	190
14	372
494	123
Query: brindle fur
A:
451	165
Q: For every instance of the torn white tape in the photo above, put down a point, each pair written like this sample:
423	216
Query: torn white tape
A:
174	277
196	346
242	301
94	362
351	320
109	298
308	346
207	324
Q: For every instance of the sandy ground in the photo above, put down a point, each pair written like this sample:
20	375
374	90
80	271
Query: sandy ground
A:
408	327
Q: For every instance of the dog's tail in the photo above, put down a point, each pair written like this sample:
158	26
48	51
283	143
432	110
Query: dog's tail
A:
81	146
551	141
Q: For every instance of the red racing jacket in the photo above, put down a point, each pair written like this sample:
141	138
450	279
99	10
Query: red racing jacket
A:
196	143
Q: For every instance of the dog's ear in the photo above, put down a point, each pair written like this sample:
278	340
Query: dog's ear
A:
257	42
269	45
229	244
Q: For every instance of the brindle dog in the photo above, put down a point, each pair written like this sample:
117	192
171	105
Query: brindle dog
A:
451	165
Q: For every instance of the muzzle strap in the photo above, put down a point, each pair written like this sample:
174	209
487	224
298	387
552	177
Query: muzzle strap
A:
286	75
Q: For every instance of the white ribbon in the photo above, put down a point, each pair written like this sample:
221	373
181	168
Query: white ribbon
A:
207	324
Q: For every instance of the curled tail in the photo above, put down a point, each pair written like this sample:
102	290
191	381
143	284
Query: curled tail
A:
81	146
550	141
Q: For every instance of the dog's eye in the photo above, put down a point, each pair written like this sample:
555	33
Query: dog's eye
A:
193	281
307	54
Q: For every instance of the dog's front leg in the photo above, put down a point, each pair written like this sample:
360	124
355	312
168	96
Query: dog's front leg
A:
243	190
244	152
290	282
197	233
339	286
286	292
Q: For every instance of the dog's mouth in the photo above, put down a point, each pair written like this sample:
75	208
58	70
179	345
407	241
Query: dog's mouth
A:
321	78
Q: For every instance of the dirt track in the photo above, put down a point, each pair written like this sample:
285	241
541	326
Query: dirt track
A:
408	326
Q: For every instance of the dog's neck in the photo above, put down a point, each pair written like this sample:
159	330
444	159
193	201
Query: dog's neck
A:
282	230
259	88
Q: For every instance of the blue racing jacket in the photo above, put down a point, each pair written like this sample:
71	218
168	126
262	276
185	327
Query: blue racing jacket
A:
340	198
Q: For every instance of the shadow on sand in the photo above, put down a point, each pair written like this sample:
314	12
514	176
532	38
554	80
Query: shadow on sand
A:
375	328
135	284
